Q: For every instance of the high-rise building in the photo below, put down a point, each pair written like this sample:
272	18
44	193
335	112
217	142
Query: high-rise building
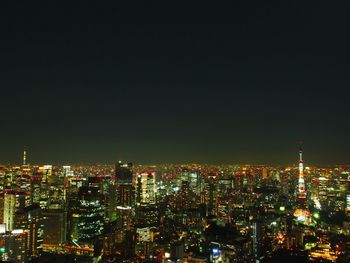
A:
212	202
144	238
147	187
9	209
46	171
12	202
111	202
148	215
123	173
87	219
347	201
195	181
13	246
184	196
125	204
238	182
30	218
125	201
35	190
55	226
257	239
67	171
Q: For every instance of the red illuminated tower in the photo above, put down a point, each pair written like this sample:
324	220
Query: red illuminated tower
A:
301	181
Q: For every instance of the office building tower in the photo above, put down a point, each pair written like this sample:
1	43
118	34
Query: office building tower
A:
55	226
257	240
46	171
13	246
35	190
9	210
67	171
30	218
12	202
87	219
123	173
125	200
146	184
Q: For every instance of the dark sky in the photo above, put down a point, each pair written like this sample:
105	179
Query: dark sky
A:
167	81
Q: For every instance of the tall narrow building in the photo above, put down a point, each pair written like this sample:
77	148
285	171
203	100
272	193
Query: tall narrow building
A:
125	204
125	200
125	185
24	156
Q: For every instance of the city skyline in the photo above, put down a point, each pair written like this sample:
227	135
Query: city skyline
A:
24	161
174	213
146	132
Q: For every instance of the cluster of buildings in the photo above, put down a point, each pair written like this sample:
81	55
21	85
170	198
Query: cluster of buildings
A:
174	213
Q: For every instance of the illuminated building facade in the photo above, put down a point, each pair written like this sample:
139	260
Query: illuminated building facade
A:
67	171
46	171
147	188
12	202
13	246
144	240
30	218
88	216
347	202
125	213
257	241
125	201
35	189
9	210
111	202
209	213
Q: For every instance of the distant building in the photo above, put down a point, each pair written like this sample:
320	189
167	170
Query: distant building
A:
12	202
125	194
9	210
13	246
87	219
30	218
147	187
123	173
55	226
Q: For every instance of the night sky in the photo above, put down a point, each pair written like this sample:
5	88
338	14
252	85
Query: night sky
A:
175	82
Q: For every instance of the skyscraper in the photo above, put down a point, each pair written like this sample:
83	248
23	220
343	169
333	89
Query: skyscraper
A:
30	218
146	184
13	246
88	217
13	201
9	209
124	182
123	173
55	226
125	205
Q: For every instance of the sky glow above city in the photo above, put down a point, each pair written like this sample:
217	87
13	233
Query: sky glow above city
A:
163	82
